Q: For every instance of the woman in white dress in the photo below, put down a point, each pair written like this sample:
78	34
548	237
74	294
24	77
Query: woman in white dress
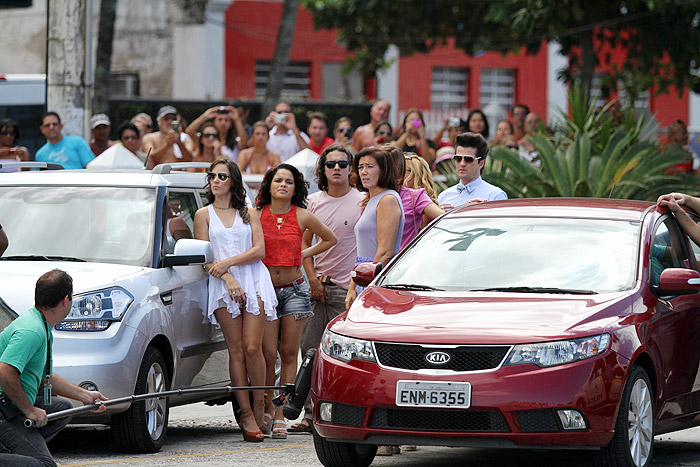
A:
241	295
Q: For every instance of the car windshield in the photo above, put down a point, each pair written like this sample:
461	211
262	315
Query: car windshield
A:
521	254
97	224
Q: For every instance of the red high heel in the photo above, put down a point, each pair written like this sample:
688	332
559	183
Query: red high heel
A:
250	436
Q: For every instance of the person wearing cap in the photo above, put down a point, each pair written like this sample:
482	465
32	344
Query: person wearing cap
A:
71	152
170	143
470	155
100	126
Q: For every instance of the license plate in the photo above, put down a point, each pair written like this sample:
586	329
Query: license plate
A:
433	394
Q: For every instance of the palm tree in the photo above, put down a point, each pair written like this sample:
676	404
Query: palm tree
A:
596	153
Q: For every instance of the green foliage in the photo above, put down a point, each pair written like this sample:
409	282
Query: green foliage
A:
662	37
595	153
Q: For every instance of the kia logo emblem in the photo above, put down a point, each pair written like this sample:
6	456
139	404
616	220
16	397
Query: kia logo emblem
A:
438	358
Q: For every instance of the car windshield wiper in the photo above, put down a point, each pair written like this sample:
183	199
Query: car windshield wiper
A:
40	258
537	290
409	287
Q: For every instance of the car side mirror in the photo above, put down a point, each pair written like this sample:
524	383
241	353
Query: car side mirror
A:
679	281
189	251
364	273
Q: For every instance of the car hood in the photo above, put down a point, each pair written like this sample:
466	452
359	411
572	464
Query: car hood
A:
18	278
478	318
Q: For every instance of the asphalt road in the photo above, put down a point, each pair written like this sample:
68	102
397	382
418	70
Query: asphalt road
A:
199	435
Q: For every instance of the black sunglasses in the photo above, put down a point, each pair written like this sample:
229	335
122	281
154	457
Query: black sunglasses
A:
222	176
511	146
468	159
341	164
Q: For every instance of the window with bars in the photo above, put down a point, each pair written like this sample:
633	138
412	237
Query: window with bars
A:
124	85
297	82
448	89
497	87
598	98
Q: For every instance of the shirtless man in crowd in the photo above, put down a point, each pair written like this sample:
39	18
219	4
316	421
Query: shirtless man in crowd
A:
364	135
169	143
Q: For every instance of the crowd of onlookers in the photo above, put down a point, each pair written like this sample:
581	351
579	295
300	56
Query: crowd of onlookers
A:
255	147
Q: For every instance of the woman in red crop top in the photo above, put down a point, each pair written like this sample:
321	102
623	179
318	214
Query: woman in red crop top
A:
282	202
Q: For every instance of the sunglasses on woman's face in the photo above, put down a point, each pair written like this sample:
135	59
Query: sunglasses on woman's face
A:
383	133
341	164
209	135
467	159
222	176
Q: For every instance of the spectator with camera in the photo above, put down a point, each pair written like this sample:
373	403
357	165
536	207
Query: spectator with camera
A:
229	126
453	126
342	131
285	137
413	137
169	143
318	131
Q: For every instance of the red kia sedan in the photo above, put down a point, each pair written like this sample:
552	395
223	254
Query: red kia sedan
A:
547	323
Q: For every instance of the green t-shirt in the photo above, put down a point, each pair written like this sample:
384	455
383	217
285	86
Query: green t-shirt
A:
23	345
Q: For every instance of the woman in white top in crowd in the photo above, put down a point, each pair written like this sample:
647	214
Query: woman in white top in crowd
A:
241	295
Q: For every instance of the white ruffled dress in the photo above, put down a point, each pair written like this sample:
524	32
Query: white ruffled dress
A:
254	277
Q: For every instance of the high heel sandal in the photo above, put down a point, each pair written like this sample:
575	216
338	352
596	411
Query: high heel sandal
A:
250	436
267	424
279	433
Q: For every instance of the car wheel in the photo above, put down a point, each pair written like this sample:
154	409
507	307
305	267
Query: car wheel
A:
334	454
142	428
633	442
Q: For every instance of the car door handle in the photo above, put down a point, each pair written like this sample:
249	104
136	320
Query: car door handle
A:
166	298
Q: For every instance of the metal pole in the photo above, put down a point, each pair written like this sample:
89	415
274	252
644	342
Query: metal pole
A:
287	389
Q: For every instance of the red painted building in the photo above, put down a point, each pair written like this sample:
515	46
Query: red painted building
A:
444	80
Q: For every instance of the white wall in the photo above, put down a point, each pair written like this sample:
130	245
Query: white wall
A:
556	89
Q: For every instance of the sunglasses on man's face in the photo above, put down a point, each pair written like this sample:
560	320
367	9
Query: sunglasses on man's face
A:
222	176
467	159
341	164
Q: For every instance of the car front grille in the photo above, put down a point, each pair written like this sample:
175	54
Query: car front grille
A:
348	415
483	421
462	358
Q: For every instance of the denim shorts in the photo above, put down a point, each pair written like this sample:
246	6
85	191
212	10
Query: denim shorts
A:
295	299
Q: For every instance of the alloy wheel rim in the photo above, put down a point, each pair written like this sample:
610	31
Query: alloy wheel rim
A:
155	408
639	423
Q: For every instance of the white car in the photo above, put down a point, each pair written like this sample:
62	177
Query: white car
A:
137	323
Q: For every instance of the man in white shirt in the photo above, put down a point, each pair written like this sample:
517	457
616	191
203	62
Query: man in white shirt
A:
470	155
285	137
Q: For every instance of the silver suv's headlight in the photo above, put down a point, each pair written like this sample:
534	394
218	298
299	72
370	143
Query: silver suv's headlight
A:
559	352
95	311
346	348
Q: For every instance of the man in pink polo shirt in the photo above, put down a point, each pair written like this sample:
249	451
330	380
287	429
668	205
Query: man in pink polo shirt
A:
338	207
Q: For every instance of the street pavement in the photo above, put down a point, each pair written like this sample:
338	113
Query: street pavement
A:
199	435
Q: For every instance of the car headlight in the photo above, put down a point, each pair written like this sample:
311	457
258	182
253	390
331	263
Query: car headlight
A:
346	348
95	311
559	352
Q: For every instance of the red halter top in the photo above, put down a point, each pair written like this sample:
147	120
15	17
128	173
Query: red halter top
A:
282	237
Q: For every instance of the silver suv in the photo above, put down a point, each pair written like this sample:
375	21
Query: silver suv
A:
140	292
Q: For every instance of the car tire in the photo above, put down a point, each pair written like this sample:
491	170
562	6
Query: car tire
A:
334	454
633	442
143	427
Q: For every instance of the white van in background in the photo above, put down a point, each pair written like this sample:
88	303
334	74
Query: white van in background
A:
22	99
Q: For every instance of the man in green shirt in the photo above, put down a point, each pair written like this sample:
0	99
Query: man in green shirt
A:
26	364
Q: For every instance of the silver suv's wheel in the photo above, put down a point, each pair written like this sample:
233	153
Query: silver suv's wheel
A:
633	442
143	427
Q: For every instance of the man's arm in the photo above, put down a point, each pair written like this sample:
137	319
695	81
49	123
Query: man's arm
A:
292	125
158	151
63	388
85	154
11	385
673	202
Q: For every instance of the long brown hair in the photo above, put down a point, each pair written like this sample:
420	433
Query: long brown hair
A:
237	188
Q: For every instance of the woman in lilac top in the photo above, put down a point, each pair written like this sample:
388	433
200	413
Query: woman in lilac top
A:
378	232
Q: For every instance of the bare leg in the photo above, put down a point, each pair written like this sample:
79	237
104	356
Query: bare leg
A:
270	340
292	330
253	327
232	330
